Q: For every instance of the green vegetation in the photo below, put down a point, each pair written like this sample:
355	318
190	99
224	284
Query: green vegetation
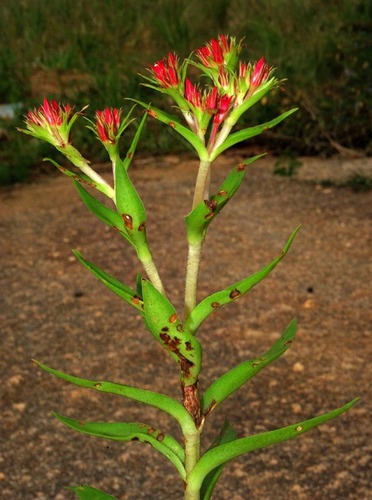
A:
91	51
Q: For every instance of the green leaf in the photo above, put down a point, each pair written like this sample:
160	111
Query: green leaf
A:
247	133
133	146
113	284
173	122
225	452
165	326
85	492
232	380
130	207
132	431
150	398
256	97
104	213
233	292
202	215
225	435
80	177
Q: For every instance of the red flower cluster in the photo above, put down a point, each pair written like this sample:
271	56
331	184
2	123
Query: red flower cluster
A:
107	124
214	53
166	71
50	113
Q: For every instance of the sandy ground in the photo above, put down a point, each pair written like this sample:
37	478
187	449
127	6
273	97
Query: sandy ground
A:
53	310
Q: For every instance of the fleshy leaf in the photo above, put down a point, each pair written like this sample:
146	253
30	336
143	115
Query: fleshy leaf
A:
85	492
104	213
174	123
233	292
164	324
113	284
225	435
202	215
225	452
130	208
131	431
247	133
150	398
232	380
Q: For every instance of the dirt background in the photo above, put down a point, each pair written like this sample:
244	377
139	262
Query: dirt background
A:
53	310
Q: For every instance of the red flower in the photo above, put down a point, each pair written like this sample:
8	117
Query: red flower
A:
166	71
107	124
223	107
260	73
51	122
217	52
50	113
193	94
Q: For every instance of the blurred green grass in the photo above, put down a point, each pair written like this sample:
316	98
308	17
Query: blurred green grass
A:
91	51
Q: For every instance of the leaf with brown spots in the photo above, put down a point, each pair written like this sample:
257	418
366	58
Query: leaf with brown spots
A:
132	431
233	292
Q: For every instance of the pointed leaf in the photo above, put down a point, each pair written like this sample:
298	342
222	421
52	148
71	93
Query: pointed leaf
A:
165	326
232	380
81	178
173	122
85	492
132	431
233	292
150	398
225	435
104	213
202	215
225	452
247	133
113	284
133	146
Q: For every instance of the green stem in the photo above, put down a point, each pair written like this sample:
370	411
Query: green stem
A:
192	455
195	249
151	271
192	273
202	183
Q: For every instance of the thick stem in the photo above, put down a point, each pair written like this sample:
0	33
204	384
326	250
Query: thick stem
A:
193	260
202	183
191	434
192	273
192	454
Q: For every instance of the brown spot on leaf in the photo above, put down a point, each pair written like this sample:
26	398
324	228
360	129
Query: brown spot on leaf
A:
98	385
165	329
128	221
188	346
151	113
222	192
241	167
130	154
172	124
215	304
142	226
235	294
135	300
160	436
173	318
